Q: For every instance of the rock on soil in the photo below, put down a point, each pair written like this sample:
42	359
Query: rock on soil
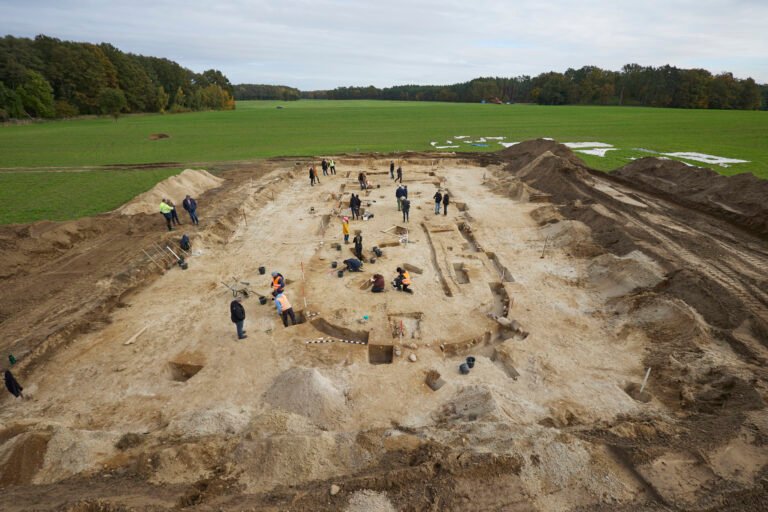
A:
369	501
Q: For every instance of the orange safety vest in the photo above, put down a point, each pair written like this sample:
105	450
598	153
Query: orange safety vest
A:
406	278
276	282
284	304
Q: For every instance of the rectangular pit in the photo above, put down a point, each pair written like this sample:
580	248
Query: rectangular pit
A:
461	273
381	354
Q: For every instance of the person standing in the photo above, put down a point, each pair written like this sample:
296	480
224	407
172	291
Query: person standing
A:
345	229
278	283
399	195
438	198
406	208
237	315
313	176
361	180
378	283
284	309
445	203
399	174
333	167
190	205
324	165
174	214
402	281
391	169
12	385
352	204
166	210
358	241
358	203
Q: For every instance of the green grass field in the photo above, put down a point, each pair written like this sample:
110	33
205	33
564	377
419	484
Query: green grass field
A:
31	196
259	129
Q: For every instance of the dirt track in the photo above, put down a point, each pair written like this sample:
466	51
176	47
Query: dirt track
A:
183	415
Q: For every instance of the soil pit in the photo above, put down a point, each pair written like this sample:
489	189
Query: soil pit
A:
380	354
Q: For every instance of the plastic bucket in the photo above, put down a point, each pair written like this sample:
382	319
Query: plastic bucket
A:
471	362
262	300
463	368
262	270
340	273
334	264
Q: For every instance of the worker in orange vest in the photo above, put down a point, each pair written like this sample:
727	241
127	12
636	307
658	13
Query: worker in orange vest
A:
402	281
278	283
284	309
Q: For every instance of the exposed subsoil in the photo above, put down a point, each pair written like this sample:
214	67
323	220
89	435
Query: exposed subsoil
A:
565	285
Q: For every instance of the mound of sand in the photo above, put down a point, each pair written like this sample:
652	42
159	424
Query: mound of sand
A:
740	198
307	392
224	419
175	188
369	501
614	276
522	154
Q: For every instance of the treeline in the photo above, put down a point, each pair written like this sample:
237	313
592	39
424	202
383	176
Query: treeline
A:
665	86
46	77
266	92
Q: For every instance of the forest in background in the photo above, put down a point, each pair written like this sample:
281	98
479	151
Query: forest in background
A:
634	85
45	77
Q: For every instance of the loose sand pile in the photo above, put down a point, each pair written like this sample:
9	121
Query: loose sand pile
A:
175	188
307	392
369	501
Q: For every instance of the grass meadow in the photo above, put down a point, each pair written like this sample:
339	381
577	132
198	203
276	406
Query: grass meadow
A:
259	129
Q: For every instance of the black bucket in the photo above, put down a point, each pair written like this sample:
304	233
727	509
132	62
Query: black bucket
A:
338	247
471	362
262	270
334	264
463	368
262	300
340	273
372	260
183	265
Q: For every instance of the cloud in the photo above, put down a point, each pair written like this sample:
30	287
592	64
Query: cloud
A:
328	43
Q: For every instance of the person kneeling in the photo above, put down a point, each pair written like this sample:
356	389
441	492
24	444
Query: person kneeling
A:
284	309
353	265
378	283
402	281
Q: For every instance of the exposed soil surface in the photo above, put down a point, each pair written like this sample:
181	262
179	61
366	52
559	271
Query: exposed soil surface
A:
563	284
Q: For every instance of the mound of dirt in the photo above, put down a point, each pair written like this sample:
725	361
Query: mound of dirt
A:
158	136
307	392
520	155
369	501
740	198
175	188
226	420
615	276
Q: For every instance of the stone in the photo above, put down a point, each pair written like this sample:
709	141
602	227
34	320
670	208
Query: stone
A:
412	358
335	489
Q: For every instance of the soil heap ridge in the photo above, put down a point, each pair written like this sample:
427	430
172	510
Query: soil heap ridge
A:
190	181
742	199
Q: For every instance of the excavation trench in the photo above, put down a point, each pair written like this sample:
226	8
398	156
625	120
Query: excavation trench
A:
443	282
504	274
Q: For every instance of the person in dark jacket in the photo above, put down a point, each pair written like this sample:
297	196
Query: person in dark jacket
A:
174	213
399	193
445	203
353	265
399	174
392	169
277	284
358	241
438	199
378	283
190	205
12	385
313	176
237	314
324	165
406	204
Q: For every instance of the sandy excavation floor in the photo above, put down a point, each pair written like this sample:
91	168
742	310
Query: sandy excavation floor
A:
156	405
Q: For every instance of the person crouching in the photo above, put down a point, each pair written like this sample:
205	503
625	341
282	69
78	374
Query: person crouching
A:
402	281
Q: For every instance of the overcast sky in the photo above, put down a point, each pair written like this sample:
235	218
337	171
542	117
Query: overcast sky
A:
320	44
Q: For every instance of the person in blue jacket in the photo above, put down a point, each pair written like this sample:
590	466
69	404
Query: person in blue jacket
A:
400	194
190	205
354	265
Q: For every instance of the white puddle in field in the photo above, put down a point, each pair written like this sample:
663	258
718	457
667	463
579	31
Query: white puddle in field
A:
592	148
596	151
707	159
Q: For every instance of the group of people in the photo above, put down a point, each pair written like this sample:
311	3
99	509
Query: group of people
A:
282	304
168	209
328	167
403	203
362	179
441	198
354	205
392	175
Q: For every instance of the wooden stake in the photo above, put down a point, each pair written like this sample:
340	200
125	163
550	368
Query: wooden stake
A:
645	380
153	260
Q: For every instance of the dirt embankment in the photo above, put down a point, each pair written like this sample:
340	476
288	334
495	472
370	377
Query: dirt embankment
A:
712	293
741	199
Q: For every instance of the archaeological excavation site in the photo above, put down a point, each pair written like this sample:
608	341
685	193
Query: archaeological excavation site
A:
574	341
